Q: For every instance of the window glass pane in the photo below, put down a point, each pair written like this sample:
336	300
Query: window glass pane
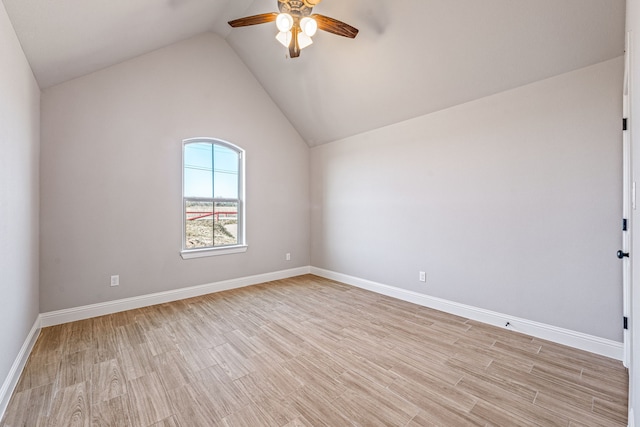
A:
226	223
212	195
198	224
225	173
198	170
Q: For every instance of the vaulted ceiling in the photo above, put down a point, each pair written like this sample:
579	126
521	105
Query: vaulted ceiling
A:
411	57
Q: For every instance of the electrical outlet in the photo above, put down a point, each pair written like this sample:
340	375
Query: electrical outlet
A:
115	280
423	276
287	257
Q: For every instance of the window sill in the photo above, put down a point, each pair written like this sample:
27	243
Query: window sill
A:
201	253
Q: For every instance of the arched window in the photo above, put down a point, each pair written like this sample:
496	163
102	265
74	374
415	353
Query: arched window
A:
212	198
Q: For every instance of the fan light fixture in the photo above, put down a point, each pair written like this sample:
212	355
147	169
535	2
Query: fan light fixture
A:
305	29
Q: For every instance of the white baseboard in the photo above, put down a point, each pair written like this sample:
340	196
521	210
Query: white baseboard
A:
567	337
94	310
593	344
18	365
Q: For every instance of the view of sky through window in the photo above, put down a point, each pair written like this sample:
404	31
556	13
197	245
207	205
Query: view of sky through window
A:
210	171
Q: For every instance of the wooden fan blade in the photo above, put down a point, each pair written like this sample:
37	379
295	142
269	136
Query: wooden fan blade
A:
254	20
334	26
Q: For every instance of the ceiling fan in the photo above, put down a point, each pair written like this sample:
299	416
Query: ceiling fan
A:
296	24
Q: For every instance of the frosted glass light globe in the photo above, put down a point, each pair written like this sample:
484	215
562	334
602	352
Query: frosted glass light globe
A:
309	26
284	38
284	22
304	40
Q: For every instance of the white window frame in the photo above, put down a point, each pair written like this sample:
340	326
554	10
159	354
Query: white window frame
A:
241	246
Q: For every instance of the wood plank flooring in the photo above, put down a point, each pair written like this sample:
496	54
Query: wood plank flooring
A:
308	352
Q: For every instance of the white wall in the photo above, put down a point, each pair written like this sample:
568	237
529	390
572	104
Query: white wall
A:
511	203
111	175
19	193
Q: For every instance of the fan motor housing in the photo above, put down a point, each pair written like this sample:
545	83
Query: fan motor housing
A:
295	7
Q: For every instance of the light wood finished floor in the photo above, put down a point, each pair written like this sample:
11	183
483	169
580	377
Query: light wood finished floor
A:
308	352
